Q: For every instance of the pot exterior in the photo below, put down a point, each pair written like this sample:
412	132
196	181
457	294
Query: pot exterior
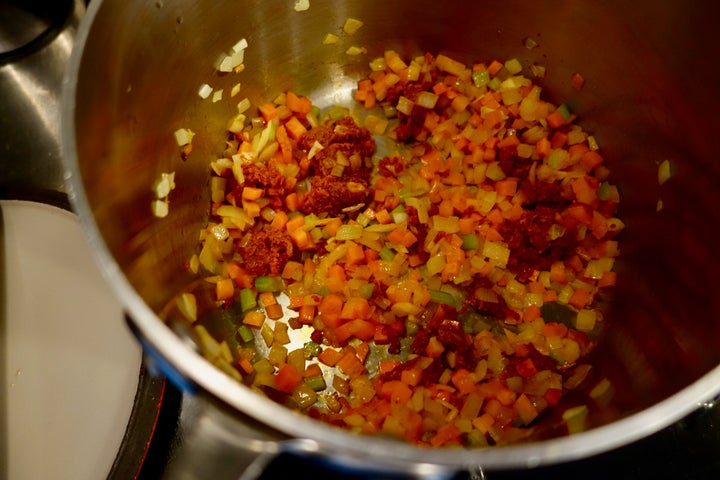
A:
651	95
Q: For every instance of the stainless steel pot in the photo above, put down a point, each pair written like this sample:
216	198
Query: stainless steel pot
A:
651	95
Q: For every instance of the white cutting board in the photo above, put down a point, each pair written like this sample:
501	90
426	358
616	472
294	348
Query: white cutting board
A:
68	364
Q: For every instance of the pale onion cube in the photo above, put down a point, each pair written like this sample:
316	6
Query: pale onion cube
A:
187	304
378	64
352	25
194	263
205	90
237	123
349	232
183	136
164	185
513	66
427	100
316	147
160	208
355	50
405	105
217	96
243	105
330	39
585	320
497	252
301	5
236	57
664	172
235	90
240	46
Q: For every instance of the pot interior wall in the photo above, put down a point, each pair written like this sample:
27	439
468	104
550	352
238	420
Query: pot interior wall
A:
651	95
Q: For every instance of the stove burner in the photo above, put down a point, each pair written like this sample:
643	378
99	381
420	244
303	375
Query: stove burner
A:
28	25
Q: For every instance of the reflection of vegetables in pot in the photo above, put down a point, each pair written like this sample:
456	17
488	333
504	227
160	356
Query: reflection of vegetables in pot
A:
445	292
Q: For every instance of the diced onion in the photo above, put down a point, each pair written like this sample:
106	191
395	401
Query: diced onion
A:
187	304
183	136
205	90
664	172
301	5
160	208
352	25
330	39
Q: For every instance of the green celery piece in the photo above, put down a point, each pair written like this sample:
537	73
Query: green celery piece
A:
248	300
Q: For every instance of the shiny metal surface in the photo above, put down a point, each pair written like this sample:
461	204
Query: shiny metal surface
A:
35	45
651	95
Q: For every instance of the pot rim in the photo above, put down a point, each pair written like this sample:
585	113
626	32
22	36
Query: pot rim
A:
389	452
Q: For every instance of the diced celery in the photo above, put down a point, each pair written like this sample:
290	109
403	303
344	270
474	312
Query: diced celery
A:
248	299
311	350
563	110
245	333
470	241
316	382
264	283
386	254
481	78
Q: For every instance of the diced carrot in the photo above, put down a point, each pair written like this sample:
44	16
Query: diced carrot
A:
464	381
300	238
284	142
434	348
494	67
292	202
531	313
274	311
357	328
350	365
224	289
411	376
383	216
245	365
446	434
287	378
306	315
354	254
554	329
330	357
543	147
592	159
580	298
559	139
506	187
329	310
584	191
552	396
294	223
396	391
336	279
312	370
267	111
279	220
355	307
332	226
608	279
509	141
298	104
267	298
556	119
295	129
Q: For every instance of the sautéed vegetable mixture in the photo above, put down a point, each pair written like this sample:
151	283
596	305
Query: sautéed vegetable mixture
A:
428	265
